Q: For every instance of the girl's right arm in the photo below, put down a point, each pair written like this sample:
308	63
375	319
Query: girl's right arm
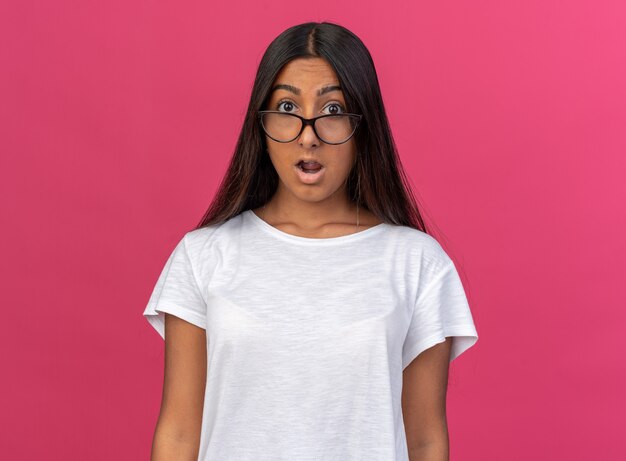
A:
177	433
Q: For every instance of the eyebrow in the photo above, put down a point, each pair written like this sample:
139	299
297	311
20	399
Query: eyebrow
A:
296	91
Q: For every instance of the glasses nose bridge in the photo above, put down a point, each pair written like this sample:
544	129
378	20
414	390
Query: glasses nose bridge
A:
309	122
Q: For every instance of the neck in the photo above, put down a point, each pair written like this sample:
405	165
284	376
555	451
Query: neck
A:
311	214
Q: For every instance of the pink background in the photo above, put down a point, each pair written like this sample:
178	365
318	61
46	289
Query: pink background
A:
117	120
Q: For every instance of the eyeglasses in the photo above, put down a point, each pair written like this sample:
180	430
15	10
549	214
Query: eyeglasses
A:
329	128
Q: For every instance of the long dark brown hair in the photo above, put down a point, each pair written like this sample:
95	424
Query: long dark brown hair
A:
376	182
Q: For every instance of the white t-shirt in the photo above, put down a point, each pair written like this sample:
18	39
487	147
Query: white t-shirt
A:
307	338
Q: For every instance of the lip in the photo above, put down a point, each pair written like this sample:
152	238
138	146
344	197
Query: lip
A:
308	160
310	178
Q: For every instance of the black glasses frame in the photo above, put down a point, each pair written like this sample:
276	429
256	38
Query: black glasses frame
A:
309	121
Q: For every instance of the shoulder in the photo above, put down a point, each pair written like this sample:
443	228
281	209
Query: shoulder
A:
208	234
423	257
204	243
417	243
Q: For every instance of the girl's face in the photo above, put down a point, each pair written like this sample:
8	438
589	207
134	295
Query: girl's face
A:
309	87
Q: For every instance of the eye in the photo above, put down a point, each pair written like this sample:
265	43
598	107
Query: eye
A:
335	108
288	105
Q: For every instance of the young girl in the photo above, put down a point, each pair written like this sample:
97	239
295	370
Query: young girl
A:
309	316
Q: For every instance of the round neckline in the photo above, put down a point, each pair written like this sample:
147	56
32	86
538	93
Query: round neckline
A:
309	240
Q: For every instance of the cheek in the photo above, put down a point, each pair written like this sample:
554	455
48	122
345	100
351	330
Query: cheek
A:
344	159
280	159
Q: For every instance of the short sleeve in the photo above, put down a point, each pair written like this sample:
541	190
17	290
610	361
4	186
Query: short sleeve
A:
441	311
176	292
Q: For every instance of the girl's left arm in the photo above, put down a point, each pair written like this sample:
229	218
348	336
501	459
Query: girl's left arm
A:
424	387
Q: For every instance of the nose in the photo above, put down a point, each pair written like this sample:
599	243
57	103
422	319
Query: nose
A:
308	138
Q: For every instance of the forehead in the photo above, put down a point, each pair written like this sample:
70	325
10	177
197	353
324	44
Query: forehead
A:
307	73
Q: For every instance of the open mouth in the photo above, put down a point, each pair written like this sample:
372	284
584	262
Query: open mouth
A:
309	167
310	172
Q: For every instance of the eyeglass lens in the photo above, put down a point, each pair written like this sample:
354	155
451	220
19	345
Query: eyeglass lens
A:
285	127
